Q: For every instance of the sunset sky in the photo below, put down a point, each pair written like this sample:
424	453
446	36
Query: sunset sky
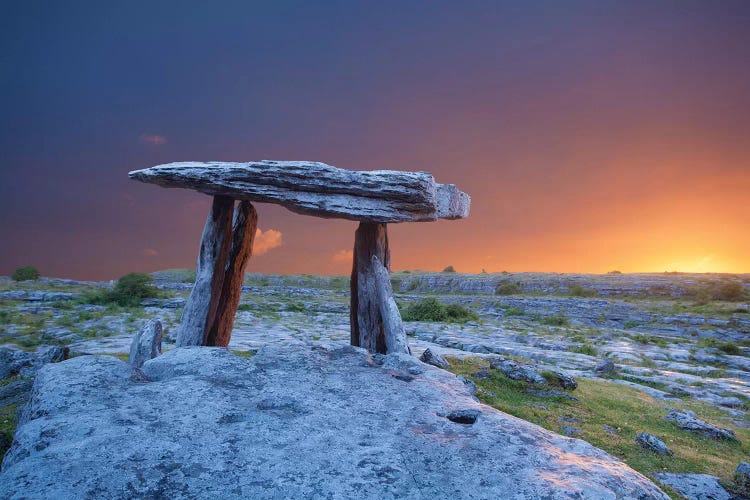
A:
591	135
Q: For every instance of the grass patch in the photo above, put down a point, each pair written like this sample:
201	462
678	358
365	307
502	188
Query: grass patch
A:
243	354
725	347
514	311
585	348
554	320
7	427
431	309
624	408
650	339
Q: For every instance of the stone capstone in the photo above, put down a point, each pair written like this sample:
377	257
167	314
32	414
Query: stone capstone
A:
314	188
204	423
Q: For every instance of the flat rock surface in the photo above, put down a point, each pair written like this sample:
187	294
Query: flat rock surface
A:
288	423
695	486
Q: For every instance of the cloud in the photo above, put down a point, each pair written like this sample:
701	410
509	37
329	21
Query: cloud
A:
153	139
266	240
150	252
343	256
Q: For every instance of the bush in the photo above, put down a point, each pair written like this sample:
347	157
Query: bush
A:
449	269
507	288
725	290
129	290
579	291
431	309
26	273
556	320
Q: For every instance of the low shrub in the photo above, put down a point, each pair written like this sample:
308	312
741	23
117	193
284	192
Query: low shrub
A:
508	288
129	290
556	320
449	269
431	309
25	273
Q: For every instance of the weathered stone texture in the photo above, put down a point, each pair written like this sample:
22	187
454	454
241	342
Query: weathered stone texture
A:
146	343
314	188
288	423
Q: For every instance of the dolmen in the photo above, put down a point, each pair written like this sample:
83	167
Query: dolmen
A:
373	198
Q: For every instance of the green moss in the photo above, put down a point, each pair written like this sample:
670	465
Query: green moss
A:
243	354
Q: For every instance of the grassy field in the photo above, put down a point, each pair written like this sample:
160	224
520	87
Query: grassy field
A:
626	412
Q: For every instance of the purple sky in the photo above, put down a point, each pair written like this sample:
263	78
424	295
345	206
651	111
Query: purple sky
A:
592	135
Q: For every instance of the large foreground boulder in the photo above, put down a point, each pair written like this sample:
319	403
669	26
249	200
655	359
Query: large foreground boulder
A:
288	423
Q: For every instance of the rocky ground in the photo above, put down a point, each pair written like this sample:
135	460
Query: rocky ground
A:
221	426
670	336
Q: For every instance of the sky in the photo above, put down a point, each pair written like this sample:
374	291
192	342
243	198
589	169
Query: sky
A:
591	135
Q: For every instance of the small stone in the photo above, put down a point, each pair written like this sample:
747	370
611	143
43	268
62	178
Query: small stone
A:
482	374
146	343
566	381
517	371
687	421
742	478
605	367
434	359
653	443
570	430
463	416
612	431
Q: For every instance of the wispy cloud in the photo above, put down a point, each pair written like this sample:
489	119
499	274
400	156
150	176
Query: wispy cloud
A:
266	240
150	252
343	256
153	139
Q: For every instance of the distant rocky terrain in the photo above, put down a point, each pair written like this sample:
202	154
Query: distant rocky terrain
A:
672	337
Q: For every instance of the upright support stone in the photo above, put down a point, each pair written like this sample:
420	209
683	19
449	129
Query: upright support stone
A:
201	307
367	329
243	234
393	327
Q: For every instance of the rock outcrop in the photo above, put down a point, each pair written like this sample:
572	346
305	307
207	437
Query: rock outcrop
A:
146	343
208	424
695	486
688	421
314	188
650	442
